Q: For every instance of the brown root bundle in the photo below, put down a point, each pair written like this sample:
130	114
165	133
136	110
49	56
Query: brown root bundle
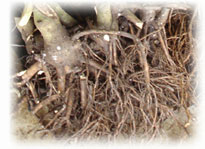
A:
134	81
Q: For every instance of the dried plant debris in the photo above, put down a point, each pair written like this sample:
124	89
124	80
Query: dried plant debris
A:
129	76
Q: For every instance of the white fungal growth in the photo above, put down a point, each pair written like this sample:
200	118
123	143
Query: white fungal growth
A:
32	51
40	72
119	14
106	37
21	73
37	101
187	124
58	48
54	57
44	54
154	35
55	111
64	106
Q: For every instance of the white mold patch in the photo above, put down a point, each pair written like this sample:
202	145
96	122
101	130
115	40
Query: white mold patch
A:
21	73
58	48
106	37
40	72
44	54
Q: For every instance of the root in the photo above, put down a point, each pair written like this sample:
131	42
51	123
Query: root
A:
29	73
83	87
56	116
132	18
61	81
118	33
70	99
144	63
165	49
44	103
131	75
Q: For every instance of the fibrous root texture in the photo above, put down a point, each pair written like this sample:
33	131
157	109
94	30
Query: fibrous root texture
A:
135	80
